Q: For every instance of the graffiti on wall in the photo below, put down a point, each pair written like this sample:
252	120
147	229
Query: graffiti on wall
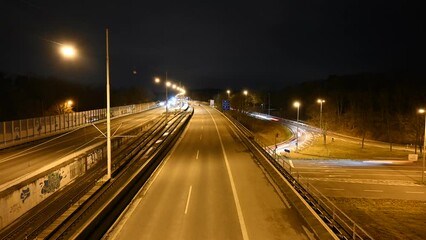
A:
52	183
25	194
93	158
15	208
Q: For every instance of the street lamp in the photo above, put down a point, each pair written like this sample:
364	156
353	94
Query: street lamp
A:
228	92
108	107
166	85
297	105
423	111
68	51
68	106
245	92
320	101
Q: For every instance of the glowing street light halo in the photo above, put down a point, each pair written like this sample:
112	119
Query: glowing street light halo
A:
68	51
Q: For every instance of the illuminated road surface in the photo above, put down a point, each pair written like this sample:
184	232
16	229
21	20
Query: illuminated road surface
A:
358	178
22	162
395	179
210	188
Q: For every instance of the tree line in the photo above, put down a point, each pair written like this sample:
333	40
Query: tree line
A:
26	96
375	106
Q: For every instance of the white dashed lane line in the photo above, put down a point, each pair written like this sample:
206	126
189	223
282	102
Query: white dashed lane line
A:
372	190
416	192
335	189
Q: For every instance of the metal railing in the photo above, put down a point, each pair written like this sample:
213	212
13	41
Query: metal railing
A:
20	131
322	205
340	223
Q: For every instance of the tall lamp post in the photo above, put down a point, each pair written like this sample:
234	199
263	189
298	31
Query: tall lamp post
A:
108	108
228	92
423	111
297	105
166	85
245	92
321	101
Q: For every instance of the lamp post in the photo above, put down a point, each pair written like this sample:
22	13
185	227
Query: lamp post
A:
108	108
423	111
228	92
297	105
245	92
166	85
320	101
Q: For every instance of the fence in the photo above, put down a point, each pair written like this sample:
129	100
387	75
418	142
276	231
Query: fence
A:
319	201
20	131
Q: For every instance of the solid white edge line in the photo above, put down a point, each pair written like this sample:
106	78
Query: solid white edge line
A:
234	190
291	163
328	229
117	227
187	200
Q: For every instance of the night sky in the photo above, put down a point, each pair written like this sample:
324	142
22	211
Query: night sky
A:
264	44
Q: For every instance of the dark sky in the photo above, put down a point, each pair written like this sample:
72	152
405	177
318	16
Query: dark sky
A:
219	44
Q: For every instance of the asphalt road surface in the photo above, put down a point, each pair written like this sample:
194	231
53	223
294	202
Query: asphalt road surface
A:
19	163
209	188
363	178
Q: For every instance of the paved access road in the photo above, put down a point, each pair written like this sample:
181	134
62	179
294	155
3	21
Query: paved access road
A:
19	163
364	178
209	188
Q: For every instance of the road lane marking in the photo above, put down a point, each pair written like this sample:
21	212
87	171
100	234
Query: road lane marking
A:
234	190
335	189
343	176
416	192
187	200
198	151
310	234
291	163
367	190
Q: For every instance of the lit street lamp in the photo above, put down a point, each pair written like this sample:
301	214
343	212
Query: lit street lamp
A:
68	51
423	111
320	101
228	92
297	105
245	92
166	85
108	108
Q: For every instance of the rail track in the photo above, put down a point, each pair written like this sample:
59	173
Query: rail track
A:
146	146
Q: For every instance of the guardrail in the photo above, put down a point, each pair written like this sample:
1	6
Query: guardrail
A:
341	224
21	131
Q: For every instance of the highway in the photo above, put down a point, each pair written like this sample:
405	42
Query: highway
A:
391	179
363	178
22	162
209	188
